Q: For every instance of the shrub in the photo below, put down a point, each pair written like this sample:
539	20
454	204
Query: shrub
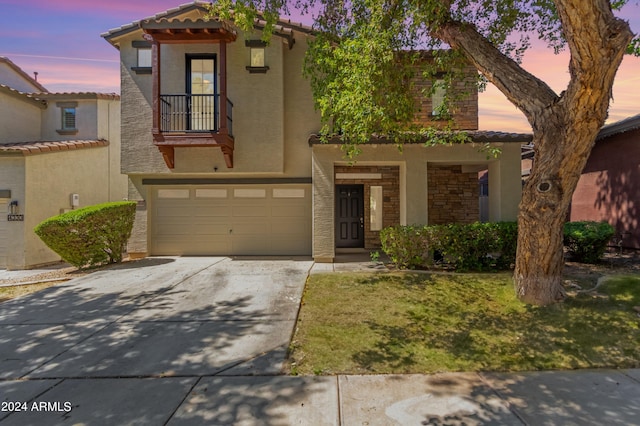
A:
406	246
477	246
586	241
90	236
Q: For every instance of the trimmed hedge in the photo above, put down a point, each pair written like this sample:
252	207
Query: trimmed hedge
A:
586	241
90	236
477	246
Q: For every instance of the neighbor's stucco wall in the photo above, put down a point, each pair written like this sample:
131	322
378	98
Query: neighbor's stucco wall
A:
413	162
51	179
86	119
12	177
608	188
20	119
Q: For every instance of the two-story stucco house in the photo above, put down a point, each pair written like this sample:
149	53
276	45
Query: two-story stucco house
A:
218	143
52	146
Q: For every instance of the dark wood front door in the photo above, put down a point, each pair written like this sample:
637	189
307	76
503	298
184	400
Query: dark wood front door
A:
349	216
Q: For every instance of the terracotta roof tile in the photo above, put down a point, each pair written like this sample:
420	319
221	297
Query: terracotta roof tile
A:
283	26
40	147
483	136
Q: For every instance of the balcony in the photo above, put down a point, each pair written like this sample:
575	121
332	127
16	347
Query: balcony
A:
181	114
193	120
189	120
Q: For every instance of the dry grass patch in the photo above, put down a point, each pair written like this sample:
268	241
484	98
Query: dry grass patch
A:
425	323
11	292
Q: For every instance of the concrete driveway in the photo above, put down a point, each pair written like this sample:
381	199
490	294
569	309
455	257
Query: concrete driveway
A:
162	323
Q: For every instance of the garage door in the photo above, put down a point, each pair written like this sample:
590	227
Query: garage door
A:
231	220
3	234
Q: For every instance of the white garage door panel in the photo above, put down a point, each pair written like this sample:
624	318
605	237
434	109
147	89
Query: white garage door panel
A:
250	211
247	220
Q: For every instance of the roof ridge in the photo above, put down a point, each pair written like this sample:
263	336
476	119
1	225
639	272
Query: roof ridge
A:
23	73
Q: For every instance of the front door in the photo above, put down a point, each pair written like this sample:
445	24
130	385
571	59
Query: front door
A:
349	216
201	87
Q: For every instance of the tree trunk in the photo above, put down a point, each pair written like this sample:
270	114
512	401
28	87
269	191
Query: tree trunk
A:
564	129
543	209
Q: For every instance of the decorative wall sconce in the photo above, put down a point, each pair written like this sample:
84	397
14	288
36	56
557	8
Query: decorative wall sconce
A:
256	56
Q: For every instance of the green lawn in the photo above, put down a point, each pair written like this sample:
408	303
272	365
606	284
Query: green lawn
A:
425	323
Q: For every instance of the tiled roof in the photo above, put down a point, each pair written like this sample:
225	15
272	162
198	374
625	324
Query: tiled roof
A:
481	136
23	74
78	95
28	96
283	27
41	147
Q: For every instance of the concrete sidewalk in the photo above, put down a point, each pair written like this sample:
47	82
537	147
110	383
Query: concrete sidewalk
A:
543	398
202	341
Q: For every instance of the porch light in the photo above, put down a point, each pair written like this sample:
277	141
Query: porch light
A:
256	56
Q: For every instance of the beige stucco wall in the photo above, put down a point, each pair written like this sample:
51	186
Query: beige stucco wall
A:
12	178
86	119
271	111
51	179
108	127
273	116
20	118
505	187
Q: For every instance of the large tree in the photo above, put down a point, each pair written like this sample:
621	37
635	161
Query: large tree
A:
358	80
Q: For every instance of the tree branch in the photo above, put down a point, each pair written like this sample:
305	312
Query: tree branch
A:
597	42
527	92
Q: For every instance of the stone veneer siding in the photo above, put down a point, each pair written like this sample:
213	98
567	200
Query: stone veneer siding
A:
453	195
390	183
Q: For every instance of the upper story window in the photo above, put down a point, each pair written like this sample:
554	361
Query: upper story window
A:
143	52
68	112
438	107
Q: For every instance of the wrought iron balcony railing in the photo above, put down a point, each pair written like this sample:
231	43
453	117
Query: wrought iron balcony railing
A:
185	113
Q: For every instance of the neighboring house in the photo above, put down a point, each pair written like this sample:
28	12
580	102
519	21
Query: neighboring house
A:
52	145
609	187
218	145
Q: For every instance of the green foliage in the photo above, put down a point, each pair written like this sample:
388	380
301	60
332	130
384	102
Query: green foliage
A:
586	241
90	236
407	246
470	247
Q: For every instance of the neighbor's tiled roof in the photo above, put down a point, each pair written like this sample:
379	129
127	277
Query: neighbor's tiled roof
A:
22	95
24	75
283	27
77	95
42	97
481	136
41	147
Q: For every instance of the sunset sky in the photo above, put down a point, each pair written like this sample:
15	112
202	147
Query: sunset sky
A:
60	39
